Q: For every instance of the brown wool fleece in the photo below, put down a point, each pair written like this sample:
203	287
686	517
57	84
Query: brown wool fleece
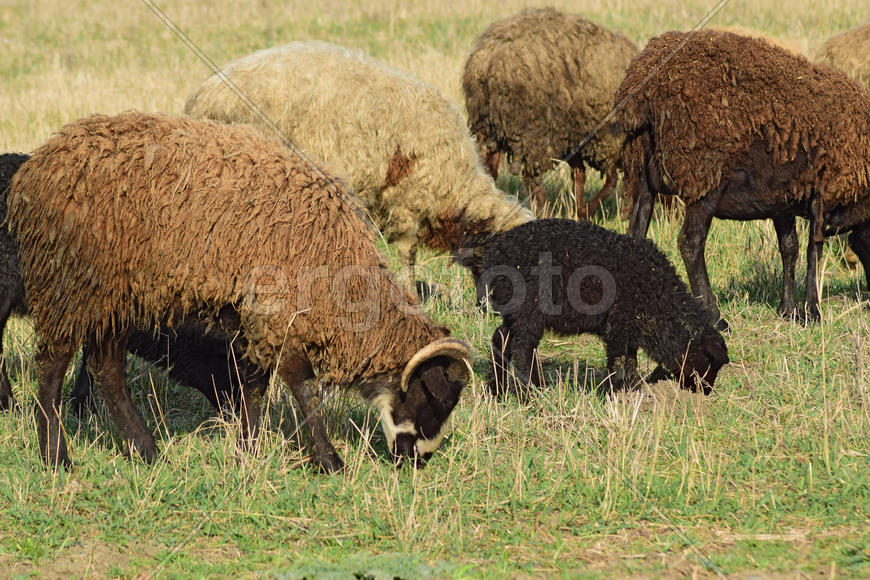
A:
140	220
849	52
707	97
538	83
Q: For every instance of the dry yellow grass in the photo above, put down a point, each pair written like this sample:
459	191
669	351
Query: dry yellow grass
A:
65	60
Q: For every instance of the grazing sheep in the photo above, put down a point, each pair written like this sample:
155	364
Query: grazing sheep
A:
740	129
404	150
151	221
574	277
849	52
207	364
538	86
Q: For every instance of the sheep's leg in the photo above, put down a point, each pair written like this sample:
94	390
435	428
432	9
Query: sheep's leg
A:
641	212
691	240
501	357
298	375
786	235
51	362
579	175
7	401
859	240
605	192
622	364
107	360
814	253
80	397
406	247
249	405
526	337
538	195
493	158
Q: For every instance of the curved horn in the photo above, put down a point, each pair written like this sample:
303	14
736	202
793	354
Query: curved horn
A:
448	346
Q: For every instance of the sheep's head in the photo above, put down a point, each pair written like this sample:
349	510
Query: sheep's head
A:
472	252
414	416
704	357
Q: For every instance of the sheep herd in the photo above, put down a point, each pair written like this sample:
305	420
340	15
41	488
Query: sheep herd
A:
249	247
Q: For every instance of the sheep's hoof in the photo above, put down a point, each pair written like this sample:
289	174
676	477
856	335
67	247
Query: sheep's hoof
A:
788	311
58	459
8	404
805	316
329	462
427	291
813	314
659	374
501	389
147	451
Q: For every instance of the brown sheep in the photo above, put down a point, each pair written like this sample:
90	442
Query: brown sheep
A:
539	86
149	221
741	129
198	360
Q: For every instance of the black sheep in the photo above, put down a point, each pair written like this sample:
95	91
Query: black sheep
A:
574	277
11	284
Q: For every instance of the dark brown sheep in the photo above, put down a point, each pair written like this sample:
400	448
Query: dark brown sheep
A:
741	129
151	221
538	86
575	277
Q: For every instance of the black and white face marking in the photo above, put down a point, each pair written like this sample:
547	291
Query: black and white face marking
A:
407	437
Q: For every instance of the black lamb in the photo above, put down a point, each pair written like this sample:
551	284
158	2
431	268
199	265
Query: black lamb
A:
574	277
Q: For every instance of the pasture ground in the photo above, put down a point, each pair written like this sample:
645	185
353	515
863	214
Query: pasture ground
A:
766	478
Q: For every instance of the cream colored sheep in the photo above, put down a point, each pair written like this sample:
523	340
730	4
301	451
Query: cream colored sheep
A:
401	146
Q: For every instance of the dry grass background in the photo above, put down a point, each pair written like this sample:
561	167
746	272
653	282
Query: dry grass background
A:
767	477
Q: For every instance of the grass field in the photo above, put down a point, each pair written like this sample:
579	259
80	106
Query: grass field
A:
769	477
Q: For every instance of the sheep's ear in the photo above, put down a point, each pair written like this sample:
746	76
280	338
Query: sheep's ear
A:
714	347
453	349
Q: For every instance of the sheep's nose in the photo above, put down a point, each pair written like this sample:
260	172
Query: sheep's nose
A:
404	446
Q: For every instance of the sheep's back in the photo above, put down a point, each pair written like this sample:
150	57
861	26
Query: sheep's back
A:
540	82
640	276
358	117
708	97
142	219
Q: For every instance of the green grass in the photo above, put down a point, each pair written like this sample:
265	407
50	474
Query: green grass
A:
768	476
